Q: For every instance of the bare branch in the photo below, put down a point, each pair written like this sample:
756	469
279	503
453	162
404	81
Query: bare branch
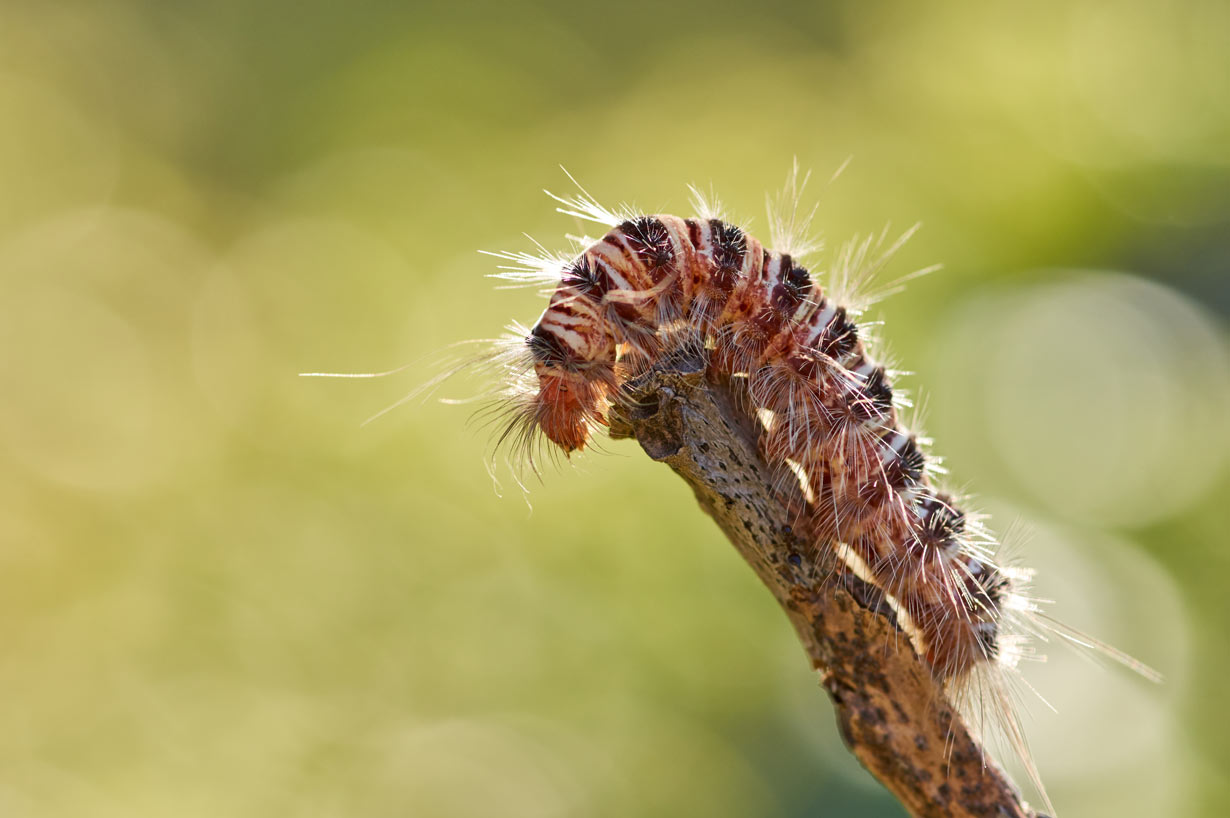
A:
891	710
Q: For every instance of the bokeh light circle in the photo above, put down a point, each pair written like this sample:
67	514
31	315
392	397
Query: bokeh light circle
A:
1104	395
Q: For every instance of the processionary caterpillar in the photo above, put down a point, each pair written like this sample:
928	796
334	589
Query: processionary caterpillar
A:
828	414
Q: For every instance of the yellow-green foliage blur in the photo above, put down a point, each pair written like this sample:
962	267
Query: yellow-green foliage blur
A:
220	595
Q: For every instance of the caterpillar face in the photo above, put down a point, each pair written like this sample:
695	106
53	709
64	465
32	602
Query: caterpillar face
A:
565	407
571	387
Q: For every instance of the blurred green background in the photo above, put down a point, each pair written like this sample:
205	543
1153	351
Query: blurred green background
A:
219	596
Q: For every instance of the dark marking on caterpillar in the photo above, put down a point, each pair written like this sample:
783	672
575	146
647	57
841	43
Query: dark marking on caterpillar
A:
650	241
546	348
582	276
729	245
840	336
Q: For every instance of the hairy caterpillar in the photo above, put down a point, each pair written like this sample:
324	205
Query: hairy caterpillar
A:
828	414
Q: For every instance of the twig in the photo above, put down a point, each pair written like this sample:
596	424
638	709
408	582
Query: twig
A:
891	711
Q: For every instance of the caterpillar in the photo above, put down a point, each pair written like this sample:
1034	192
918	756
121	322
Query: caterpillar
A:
830	414
654	282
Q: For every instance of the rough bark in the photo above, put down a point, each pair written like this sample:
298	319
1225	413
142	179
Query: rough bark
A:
891	711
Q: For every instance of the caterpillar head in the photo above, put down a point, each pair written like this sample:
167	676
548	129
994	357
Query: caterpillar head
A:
571	395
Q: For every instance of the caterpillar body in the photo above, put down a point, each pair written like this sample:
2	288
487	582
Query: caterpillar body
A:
657	281
829	417
828	414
